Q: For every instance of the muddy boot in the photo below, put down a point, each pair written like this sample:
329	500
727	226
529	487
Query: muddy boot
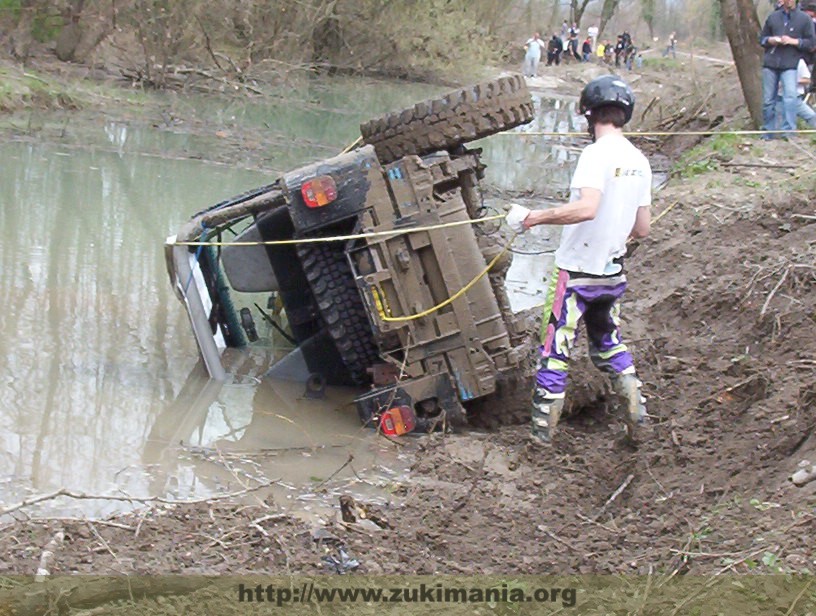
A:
629	402
546	413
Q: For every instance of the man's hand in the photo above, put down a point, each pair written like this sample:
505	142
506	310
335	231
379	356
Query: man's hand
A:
516	215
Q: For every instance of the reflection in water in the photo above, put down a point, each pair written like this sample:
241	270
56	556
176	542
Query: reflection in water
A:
214	437
117	133
536	163
92	339
96	389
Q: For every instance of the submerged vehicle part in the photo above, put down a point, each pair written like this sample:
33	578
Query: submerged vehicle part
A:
378	262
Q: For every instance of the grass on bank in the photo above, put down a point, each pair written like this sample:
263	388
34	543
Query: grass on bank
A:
22	90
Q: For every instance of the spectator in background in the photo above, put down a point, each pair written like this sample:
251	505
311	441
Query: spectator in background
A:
620	48
609	51
572	44
787	35
592	31
631	53
586	49
803	110
600	51
671	46
554	49
809	8
534	46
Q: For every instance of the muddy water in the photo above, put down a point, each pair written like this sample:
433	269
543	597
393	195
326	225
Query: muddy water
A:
100	390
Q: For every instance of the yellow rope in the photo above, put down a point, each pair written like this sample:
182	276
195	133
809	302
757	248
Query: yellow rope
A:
467	287
456	295
352	145
340	238
658	133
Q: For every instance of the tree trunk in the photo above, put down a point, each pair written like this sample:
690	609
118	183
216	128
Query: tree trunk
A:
647	11
608	10
552	26
21	39
741	24
71	33
579	12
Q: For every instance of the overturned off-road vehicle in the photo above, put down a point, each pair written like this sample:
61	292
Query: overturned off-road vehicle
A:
374	257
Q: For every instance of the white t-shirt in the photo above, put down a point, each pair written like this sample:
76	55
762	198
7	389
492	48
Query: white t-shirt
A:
802	74
534	47
623	175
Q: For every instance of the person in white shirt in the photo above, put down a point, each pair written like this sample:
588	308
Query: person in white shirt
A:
803	110
534	46
610	196
592	31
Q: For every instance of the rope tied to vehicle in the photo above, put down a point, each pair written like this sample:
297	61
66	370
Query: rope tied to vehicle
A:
678	133
343	238
453	297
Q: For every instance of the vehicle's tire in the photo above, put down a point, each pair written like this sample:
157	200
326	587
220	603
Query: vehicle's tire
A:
444	123
341	307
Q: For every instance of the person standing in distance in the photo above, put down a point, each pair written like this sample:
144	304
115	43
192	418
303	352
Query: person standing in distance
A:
610	196
787	35
533	48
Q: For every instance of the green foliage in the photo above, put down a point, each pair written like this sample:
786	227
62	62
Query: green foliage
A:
45	27
706	156
725	145
690	168
10	9
668	64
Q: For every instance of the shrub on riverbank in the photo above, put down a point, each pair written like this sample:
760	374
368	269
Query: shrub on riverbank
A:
152	40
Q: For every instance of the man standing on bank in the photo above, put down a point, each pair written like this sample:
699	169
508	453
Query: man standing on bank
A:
610	195
787	35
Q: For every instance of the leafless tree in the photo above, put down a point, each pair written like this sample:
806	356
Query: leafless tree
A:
607	11
742	27
577	10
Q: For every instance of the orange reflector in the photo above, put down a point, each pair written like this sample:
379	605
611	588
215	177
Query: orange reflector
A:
398	420
319	191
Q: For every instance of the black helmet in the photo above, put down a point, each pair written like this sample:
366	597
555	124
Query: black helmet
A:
607	90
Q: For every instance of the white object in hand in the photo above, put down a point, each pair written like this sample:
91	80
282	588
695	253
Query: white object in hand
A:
516	216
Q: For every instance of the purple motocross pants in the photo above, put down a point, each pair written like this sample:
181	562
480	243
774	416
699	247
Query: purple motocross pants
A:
572	297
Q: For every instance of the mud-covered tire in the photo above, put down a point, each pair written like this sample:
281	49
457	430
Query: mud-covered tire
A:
444	123
341	307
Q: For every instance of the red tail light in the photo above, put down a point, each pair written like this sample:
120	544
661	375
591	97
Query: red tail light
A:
319	191
398	420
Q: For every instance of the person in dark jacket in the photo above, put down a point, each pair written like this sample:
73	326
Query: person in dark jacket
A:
554	49
809	8
586	49
787	34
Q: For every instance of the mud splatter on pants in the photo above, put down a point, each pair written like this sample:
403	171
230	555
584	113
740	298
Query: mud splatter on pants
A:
570	298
